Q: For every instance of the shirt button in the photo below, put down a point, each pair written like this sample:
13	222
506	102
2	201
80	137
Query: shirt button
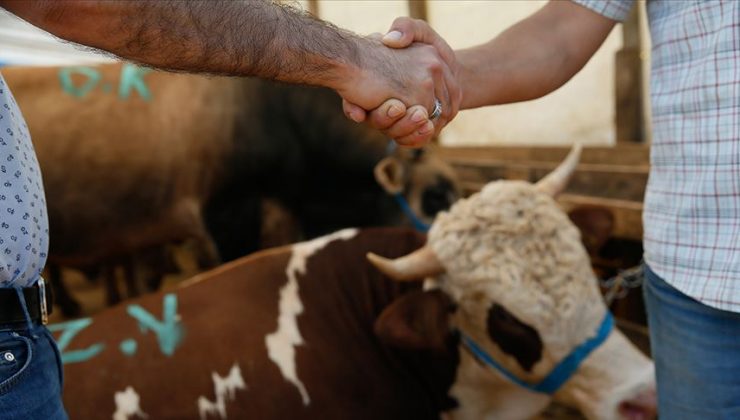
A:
9	356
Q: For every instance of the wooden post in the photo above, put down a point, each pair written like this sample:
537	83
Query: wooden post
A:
418	9
313	7
629	90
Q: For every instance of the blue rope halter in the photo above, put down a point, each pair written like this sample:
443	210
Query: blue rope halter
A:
561	372
409	212
401	200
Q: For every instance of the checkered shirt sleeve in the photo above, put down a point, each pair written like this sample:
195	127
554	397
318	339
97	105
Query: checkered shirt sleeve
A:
613	9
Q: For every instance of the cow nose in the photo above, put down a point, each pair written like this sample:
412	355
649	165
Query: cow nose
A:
643	406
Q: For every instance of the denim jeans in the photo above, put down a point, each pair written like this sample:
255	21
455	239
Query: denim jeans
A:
30	374
697	354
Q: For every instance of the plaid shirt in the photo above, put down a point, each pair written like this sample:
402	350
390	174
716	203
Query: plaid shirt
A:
692	204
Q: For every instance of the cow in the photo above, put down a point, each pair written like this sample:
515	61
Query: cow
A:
134	159
313	331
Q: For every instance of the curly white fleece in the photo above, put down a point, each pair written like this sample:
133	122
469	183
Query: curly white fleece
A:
511	244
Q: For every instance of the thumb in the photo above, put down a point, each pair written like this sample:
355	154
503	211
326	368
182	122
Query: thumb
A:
401	34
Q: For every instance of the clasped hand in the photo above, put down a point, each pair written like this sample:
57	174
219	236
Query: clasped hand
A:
397	86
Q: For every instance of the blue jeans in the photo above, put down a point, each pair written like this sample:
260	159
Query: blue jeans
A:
30	374
696	349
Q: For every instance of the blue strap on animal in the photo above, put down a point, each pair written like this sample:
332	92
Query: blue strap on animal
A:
561	372
409	212
401	200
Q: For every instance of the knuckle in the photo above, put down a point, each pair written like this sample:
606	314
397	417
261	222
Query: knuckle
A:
402	21
429	49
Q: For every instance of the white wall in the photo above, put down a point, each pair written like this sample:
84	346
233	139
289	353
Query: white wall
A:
363	16
24	44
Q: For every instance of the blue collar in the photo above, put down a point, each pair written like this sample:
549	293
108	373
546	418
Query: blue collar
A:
401	200
561	372
409	212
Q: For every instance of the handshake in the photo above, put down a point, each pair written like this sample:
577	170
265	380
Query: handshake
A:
409	91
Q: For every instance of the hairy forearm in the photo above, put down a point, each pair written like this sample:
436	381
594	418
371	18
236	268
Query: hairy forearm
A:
249	37
533	57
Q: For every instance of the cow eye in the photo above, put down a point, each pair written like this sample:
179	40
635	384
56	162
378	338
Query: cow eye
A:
514	337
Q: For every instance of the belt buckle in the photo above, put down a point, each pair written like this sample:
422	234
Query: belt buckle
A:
42	300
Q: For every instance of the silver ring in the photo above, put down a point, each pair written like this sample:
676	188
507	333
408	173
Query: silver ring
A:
437	111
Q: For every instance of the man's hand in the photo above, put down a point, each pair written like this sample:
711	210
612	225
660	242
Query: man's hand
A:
405	125
414	76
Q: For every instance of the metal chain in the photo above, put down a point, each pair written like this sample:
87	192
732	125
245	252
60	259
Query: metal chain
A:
619	286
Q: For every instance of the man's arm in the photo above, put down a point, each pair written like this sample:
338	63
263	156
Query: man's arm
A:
530	59
249	37
534	57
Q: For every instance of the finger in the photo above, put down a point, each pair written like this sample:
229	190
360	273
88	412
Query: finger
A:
419	137
414	119
353	112
401	34
441	93
386	114
454	95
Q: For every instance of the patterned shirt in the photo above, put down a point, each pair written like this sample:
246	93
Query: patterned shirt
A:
692	204
24	232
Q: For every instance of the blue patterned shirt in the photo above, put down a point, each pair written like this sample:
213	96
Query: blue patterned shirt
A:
692	204
24	228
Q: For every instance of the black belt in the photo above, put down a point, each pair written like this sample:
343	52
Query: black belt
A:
38	301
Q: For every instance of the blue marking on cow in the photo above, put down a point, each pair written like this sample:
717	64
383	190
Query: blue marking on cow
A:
169	331
65	78
132	79
128	347
69	331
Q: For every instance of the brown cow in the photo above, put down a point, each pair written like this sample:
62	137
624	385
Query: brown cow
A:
311	331
133	160
285	333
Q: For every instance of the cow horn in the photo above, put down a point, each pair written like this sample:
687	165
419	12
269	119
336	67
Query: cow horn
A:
414	266
556	181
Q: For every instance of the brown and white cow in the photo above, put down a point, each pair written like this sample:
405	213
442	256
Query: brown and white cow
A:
134	159
312	331
513	264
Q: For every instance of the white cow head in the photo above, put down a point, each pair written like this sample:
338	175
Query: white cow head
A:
506	268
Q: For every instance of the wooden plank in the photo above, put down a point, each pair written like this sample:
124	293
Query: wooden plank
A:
418	9
627	214
608	181
622	154
611	177
629	96
628	83
313	7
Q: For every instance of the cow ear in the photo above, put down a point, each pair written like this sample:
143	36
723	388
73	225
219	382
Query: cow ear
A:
417	320
389	174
